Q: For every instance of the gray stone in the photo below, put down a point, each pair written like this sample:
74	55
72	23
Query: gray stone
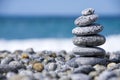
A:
115	57
20	77
10	74
93	40
30	50
51	66
88	11
85	20
80	77
106	75
72	63
26	73
91	61
6	60
86	69
89	51
87	30
6	68
16	65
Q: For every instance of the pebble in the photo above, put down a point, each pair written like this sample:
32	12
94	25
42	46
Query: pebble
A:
91	61
115	57
93	74
24	55
51	66
88	11
16	64
6	68
26	73
30	50
99	68
106	75
38	67
10	74
88	30
6	60
86	20
72	63
80	77
19	77
94	40
84	69
89	51
111	65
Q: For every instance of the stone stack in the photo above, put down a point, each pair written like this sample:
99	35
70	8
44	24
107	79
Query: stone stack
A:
87	38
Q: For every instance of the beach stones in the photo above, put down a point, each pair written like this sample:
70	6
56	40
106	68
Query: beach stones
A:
94	40
87	38
86	20
88	11
88	30
89	51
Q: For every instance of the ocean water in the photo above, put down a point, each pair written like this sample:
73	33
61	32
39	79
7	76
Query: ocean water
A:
51	33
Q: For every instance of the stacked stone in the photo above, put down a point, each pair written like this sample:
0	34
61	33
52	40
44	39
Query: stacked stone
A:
87	38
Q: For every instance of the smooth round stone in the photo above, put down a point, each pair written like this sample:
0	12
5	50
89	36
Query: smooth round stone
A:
88	11
106	75
99	68
80	76
89	51
85	20
91	61
88	30
94	40
86	69
51	66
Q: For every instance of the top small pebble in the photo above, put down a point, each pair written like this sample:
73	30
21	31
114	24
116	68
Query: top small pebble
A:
88	11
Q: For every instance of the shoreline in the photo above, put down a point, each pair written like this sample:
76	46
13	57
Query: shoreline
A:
54	44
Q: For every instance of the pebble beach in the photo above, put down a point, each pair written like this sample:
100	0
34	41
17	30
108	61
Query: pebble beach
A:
51	65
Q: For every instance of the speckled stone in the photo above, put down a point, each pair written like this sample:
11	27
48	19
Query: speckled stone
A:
88	11
94	40
85	20
89	51
91	61
87	30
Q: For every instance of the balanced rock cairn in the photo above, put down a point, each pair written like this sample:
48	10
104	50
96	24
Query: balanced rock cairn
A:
87	38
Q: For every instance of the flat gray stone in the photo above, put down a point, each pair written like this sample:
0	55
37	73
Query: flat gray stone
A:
93	40
80	76
91	61
88	11
88	30
86	20
89	51
86	69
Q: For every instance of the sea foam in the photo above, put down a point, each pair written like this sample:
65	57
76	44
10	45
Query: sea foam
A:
112	44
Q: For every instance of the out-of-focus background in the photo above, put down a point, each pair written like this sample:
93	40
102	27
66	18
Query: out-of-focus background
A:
47	24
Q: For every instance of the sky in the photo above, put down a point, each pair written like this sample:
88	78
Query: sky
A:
57	7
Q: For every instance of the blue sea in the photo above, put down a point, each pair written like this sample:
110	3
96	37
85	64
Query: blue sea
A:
51	32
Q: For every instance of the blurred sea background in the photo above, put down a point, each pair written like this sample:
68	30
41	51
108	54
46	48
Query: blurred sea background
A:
23	27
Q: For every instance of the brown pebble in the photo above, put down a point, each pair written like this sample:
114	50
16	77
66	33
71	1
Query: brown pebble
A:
38	67
24	55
